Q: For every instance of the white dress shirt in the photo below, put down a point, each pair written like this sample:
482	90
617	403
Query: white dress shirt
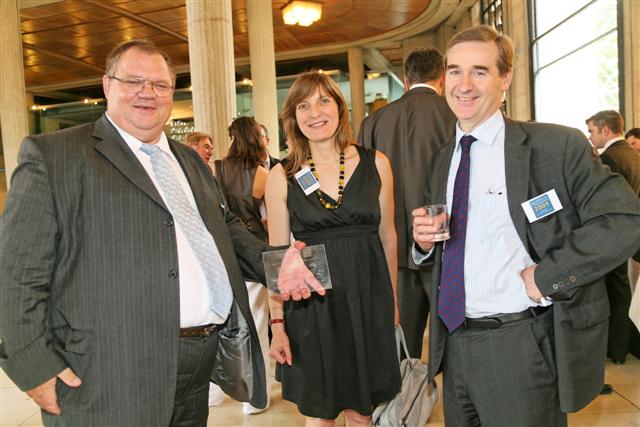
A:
494	253
194	292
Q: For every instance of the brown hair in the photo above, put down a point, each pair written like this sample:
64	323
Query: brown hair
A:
609	118
486	34
424	65
142	45
304	86
193	139
246	142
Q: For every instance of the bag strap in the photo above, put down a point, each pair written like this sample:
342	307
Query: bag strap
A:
401	344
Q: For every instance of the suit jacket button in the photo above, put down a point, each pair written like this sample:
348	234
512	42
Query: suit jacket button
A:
168	222
173	274
572	278
555	286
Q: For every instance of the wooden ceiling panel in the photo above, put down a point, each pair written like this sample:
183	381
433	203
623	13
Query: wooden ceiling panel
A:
284	40
178	52
50	22
43	11
95	15
87	31
146	6
97	60
393	55
166	16
73	51
241	45
93	30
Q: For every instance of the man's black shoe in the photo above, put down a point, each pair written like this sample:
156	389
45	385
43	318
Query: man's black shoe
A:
606	389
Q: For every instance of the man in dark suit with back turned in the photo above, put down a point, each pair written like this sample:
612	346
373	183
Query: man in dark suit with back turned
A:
605	133
120	265
521	314
409	131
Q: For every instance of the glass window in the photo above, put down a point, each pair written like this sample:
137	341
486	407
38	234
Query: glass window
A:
575	59
491	13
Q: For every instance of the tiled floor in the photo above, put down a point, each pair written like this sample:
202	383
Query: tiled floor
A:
621	408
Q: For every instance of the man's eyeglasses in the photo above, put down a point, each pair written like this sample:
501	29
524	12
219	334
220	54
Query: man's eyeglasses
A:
136	85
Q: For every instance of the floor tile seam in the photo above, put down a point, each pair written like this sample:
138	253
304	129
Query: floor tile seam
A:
627	399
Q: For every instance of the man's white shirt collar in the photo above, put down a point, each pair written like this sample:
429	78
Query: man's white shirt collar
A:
610	142
425	85
486	132
135	144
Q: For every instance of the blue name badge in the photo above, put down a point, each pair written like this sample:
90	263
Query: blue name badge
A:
542	206
307	181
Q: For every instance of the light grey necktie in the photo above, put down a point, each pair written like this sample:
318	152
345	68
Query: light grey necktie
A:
199	238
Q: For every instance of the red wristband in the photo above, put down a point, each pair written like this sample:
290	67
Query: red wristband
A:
272	321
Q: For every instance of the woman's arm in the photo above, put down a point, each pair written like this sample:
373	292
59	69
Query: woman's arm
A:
387	225
279	231
259	183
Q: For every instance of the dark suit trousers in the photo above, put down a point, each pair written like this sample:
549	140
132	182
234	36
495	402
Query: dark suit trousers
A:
502	377
619	293
195	364
413	305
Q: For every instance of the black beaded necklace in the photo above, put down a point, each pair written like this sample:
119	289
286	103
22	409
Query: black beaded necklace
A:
327	204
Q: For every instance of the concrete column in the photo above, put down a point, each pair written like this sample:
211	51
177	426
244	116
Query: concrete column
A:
356	81
518	97
631	41
13	103
212	69
263	69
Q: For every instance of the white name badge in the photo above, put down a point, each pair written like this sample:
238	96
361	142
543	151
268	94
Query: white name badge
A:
307	181
542	206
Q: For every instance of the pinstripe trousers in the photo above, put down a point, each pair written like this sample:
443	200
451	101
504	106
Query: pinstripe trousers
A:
195	363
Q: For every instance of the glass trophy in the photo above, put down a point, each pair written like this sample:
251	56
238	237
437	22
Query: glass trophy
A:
314	257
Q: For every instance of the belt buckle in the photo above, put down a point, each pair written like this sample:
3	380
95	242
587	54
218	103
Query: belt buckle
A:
208	331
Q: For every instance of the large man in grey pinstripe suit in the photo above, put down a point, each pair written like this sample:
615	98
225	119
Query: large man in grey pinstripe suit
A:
104	314
526	330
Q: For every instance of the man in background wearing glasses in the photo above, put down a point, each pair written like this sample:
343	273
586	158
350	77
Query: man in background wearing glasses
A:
120	264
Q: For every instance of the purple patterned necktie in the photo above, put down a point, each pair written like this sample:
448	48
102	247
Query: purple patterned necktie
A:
451	296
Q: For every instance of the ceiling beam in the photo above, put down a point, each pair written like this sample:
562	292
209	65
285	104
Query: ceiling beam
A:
462	8
376	61
63	57
134	17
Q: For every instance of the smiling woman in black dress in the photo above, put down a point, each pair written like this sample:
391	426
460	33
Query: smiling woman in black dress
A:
336	353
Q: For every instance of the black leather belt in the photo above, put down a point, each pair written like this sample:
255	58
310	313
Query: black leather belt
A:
199	331
494	322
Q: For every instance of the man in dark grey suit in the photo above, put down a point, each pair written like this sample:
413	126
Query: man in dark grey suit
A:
409	131
111	313
606	134
536	221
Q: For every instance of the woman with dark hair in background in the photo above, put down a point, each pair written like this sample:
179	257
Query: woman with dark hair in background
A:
335	352
243	179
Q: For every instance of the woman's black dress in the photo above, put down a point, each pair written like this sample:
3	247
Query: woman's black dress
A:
343	344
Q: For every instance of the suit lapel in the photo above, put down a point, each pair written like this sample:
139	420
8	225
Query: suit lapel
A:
113	147
517	156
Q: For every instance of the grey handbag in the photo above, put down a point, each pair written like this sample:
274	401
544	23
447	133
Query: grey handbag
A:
238	370
413	404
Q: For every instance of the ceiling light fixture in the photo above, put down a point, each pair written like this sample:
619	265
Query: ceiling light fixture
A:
303	13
